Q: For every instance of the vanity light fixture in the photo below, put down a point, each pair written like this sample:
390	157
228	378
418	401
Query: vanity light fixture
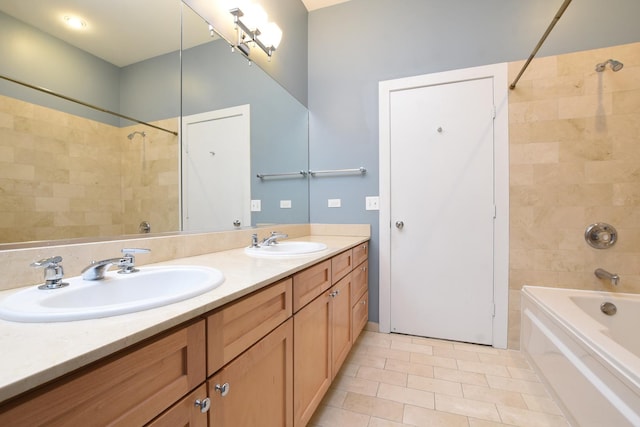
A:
254	29
74	22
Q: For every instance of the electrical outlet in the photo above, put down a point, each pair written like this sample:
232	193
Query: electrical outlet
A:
285	204
334	203
256	206
372	203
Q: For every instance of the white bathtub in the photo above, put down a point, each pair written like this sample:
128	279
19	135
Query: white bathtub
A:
590	361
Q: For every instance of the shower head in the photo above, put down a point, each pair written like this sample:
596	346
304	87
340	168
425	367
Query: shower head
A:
132	134
615	65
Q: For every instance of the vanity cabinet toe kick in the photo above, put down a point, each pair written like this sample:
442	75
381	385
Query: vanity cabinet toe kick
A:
231	367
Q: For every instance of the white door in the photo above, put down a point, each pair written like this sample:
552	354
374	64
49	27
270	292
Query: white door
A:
216	170
442	210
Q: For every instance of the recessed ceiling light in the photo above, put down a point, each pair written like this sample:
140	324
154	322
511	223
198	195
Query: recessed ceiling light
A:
75	22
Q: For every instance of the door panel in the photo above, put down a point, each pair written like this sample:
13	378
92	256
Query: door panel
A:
216	170
442	192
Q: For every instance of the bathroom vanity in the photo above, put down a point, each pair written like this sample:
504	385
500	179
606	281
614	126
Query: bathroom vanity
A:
262	349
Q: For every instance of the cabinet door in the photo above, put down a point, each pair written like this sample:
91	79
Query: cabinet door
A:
256	389
128	389
360	281
185	413
340	323
360	315
312	357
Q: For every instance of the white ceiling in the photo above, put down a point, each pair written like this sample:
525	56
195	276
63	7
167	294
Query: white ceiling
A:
121	32
319	4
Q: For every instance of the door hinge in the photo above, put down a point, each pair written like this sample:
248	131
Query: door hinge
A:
495	212
493	111
493	309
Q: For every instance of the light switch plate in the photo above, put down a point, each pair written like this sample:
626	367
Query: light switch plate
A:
285	204
256	206
334	203
372	203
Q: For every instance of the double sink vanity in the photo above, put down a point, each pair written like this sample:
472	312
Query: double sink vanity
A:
261	347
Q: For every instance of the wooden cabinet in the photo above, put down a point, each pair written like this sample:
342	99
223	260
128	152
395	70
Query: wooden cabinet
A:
238	325
310	283
312	357
360	253
186	413
256	389
341	331
265	360
341	264
323	337
360	315
129	388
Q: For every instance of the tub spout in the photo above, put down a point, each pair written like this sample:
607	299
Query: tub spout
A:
604	274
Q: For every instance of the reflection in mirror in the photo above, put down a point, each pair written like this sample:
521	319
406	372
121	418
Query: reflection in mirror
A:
67	171
278	134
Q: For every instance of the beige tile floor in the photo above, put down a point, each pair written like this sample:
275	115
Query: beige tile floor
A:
392	380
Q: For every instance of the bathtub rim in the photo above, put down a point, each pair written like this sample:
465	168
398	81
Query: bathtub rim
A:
622	366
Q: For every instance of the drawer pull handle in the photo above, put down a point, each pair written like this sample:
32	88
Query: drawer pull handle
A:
222	389
364	268
204	404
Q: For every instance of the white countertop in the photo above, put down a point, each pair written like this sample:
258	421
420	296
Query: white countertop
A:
35	353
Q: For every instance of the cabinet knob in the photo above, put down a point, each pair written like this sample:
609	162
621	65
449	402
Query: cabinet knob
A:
223	389
203	404
334	294
364	302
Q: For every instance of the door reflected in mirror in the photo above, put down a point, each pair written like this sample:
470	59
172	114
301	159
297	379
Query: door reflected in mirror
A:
72	172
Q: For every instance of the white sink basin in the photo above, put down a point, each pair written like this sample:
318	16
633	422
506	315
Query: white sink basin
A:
115	294
286	249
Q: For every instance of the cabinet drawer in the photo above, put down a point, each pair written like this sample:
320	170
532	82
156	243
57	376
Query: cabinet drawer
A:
360	253
360	313
360	281
310	283
341	264
239	325
124	390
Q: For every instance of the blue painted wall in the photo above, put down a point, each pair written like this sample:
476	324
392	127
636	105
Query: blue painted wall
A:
354	45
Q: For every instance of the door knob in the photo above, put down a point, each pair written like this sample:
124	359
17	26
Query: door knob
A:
204	404
222	389
399	225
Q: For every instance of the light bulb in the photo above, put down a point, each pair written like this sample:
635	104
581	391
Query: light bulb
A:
75	22
254	17
271	36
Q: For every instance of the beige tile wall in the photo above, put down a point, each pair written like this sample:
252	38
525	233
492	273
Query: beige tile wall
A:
63	176
574	160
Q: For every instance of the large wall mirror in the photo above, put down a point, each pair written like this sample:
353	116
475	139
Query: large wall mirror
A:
68	171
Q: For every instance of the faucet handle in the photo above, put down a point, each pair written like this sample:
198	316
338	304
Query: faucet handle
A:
53	272
46	262
127	264
135	251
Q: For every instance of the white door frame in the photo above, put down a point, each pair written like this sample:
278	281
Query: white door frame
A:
501	164
243	111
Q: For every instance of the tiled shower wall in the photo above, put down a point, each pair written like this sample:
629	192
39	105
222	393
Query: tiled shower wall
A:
63	176
574	160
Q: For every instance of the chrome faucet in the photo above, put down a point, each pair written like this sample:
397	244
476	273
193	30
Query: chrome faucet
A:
613	278
126	263
273	238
